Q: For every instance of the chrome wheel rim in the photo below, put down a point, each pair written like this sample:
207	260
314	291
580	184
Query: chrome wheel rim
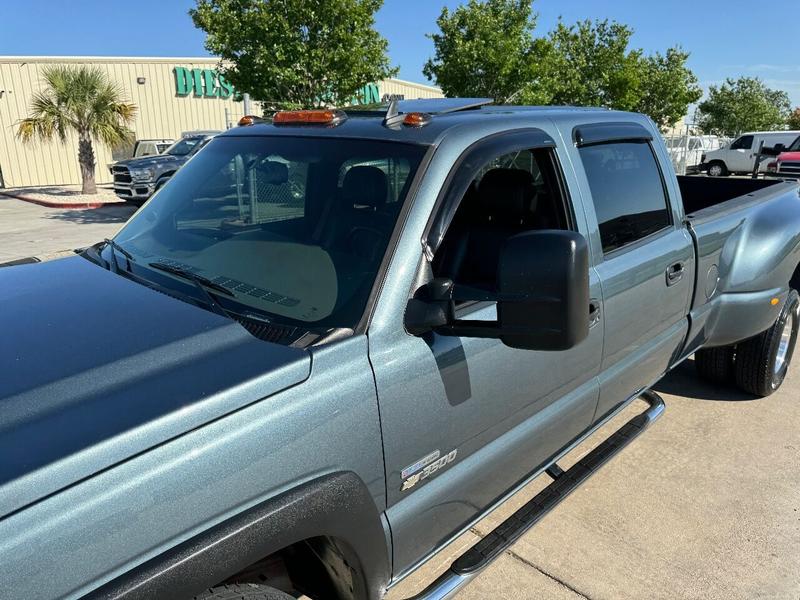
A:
715	170
783	347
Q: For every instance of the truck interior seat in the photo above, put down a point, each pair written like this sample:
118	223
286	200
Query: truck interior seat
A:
500	207
364	222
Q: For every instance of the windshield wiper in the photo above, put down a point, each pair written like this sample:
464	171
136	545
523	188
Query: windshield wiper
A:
201	283
115	246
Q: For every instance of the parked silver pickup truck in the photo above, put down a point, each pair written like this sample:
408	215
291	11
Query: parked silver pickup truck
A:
348	336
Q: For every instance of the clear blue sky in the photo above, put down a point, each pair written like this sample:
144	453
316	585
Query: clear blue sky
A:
726	38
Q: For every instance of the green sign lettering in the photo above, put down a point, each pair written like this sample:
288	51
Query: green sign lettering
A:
206	83
183	84
211	89
225	88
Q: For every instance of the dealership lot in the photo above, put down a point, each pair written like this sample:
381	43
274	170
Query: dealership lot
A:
706	504
31	230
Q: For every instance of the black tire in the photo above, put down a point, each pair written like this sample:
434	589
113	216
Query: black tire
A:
760	370
243	591
717	168
715	365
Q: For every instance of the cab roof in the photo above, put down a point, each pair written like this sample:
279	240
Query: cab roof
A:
446	113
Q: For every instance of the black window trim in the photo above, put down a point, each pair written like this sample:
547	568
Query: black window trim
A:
667	198
591	134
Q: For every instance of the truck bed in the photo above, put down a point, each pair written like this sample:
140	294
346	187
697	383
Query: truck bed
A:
699	193
746	234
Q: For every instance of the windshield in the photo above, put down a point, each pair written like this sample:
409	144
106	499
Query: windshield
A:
294	228
183	147
795	147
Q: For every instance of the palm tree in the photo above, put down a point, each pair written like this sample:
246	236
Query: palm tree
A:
81	100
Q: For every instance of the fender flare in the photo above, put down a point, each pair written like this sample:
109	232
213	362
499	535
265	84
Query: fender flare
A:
337	505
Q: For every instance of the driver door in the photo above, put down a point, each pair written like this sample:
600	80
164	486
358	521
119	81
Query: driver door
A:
465	420
741	155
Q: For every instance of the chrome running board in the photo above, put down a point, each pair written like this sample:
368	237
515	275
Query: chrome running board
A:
492	546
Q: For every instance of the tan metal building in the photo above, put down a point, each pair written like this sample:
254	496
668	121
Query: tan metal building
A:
173	95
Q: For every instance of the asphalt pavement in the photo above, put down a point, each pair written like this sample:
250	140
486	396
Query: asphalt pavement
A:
31	230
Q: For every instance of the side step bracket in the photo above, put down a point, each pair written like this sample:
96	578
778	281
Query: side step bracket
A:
514	527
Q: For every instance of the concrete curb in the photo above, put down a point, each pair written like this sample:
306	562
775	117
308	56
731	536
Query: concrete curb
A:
73	205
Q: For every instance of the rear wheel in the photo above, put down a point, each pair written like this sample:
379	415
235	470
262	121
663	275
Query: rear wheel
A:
717	169
762	361
715	365
243	591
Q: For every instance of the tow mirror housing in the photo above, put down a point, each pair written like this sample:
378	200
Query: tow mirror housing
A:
543	285
542	296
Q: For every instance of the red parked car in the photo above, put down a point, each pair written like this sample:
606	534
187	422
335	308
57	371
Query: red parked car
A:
788	162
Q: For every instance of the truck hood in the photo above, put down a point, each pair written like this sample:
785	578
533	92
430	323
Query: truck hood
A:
154	161
96	368
783	156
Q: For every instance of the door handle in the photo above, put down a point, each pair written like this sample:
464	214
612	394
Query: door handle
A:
675	273
594	312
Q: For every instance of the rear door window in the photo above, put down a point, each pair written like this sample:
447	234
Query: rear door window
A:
628	191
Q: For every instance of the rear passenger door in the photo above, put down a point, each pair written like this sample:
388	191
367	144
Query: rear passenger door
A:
644	258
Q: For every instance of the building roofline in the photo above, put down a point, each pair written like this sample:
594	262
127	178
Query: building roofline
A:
104	59
422	86
160	59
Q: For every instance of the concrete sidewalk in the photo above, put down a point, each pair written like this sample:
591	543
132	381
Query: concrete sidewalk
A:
31	230
705	504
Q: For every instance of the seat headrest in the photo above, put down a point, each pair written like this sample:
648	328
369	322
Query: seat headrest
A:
272	172
365	186
506	195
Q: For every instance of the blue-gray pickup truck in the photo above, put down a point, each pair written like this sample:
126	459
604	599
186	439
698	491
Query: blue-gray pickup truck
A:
138	178
346	337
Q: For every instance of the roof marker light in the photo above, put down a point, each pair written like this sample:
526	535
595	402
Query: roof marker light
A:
309	117
248	120
416	119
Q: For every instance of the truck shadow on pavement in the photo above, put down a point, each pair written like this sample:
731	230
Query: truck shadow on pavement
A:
684	381
105	214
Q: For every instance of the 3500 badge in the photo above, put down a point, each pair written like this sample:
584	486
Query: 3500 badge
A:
425	467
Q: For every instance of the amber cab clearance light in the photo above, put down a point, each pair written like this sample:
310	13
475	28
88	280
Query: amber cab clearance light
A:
249	120
416	119
309	117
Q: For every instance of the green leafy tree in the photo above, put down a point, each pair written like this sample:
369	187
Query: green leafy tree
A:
794	119
744	104
590	65
79	100
296	53
667	87
487	49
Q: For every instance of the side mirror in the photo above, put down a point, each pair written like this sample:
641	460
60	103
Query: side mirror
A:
543	282
542	296
773	150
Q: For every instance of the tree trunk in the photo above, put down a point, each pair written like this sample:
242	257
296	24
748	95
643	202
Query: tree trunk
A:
86	161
